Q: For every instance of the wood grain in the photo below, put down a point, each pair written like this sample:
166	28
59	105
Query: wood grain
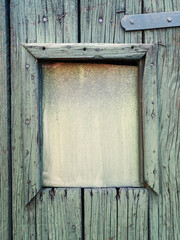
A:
56	21
58	214
31	21
88	51
100	21
164	209
100	213
111	214
5	204
150	120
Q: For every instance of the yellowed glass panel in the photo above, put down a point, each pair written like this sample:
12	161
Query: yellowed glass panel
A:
90	125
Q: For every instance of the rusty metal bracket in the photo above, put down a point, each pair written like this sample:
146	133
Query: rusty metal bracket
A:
151	21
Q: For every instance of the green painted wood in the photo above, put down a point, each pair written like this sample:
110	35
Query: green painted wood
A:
150	120
89	51
31	21
100	213
58	214
4	144
164	210
30	125
100	21
109	214
137	214
132	213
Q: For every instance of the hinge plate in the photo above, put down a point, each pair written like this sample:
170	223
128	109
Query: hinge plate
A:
151	21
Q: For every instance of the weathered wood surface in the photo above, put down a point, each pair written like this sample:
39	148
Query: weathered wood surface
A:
100	213
101	21
164	209
109	214
89	51
5	207
30	125
31	21
150	120
59	214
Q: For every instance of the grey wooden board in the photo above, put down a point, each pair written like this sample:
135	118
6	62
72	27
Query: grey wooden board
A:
112	214
150	120
5	231
28	24
87	51
164	209
58	214
30	117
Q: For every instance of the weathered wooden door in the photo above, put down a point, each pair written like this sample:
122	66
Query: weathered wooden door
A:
150	211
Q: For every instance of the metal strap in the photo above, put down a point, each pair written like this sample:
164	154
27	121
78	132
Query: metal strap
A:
151	21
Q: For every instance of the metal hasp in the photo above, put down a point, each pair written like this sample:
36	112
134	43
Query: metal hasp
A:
151	21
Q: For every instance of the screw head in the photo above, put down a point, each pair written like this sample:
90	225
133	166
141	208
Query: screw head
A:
44	19
100	20
131	21
169	19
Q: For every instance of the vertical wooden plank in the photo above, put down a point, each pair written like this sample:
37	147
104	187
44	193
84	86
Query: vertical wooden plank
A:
132	213
31	21
100	213
122	198
59	214
138	214
100	21
5	206
150	120
164	210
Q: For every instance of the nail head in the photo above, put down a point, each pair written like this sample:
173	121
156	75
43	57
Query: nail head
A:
44	19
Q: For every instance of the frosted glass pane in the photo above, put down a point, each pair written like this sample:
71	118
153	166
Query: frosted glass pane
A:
90	125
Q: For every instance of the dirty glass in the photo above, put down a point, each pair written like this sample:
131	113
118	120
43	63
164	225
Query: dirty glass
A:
90	125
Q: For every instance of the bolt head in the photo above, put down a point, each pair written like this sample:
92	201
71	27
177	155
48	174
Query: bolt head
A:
169	19
131	21
100	20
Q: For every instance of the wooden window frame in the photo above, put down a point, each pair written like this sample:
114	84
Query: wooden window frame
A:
144	54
